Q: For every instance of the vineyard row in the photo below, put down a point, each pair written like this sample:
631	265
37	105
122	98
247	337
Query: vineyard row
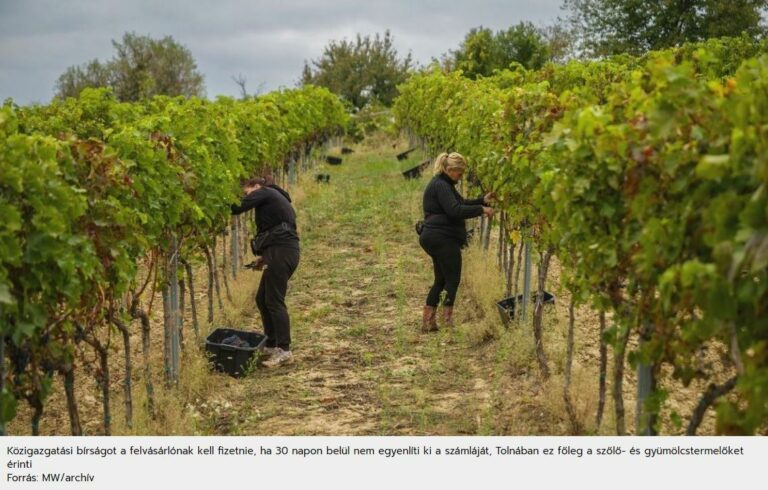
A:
647	178
103	203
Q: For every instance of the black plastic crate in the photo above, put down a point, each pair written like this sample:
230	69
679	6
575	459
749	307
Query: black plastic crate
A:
412	173
333	160
416	171
229	358
507	306
404	155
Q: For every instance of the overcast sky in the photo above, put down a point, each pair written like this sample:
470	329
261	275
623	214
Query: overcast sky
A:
265	41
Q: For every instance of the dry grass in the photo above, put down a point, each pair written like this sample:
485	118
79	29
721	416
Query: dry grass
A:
363	366
479	318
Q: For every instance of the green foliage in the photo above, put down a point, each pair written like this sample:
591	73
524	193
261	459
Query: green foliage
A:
607	27
141	68
648	177
360	71
370	119
91	187
483	52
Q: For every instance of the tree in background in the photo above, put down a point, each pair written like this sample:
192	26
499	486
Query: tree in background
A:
606	27
484	51
361	71
560	42
76	78
142	67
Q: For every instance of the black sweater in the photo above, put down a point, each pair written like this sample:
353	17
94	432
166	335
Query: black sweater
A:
273	207
445	210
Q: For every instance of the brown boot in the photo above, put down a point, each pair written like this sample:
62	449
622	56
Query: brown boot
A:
448	316
428	322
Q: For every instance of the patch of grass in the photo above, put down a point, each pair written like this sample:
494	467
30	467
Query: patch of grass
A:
362	364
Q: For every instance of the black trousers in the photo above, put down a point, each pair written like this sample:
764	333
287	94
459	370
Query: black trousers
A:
446	260
270	298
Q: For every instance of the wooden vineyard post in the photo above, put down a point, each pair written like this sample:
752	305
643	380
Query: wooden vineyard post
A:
500	258
171	317
127	386
234	245
138	314
241	234
569	407
538	312
182	295
603	371
510	268
209	263
526	281
224	268
216	276
620	349
644	422
245	234
519	267
192	300
176	325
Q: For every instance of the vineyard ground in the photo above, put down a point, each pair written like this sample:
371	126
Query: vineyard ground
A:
362	365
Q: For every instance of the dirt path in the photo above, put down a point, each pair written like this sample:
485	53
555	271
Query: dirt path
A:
362	365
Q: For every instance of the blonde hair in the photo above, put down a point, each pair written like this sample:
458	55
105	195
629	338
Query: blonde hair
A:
449	161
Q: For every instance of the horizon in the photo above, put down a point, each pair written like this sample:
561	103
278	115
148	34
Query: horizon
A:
35	48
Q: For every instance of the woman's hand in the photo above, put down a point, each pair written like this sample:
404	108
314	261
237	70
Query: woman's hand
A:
489	198
488	212
260	264
257	265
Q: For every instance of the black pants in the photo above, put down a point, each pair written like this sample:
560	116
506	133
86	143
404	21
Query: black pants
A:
281	263
446	260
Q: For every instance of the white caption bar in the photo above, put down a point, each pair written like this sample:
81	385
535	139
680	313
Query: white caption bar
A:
381	462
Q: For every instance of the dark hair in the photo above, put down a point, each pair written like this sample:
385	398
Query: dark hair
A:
266	180
252	182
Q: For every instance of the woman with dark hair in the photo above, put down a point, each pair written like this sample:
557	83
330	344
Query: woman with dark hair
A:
277	248
444	234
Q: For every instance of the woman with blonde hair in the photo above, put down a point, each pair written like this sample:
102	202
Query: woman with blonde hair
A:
443	233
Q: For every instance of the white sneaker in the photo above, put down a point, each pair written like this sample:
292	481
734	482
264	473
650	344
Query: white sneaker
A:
278	358
268	351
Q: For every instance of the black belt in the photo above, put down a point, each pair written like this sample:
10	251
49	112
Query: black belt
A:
284	225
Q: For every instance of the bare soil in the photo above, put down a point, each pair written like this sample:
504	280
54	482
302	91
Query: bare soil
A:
362	366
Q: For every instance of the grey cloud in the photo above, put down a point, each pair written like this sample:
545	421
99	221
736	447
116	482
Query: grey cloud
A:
266	41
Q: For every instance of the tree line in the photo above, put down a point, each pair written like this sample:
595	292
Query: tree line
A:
368	69
365	71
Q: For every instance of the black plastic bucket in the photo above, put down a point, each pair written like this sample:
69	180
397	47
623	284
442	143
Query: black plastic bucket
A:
404	155
416	171
507	307
412	173
232	359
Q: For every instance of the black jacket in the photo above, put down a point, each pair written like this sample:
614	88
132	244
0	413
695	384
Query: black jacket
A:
445	210
273	208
